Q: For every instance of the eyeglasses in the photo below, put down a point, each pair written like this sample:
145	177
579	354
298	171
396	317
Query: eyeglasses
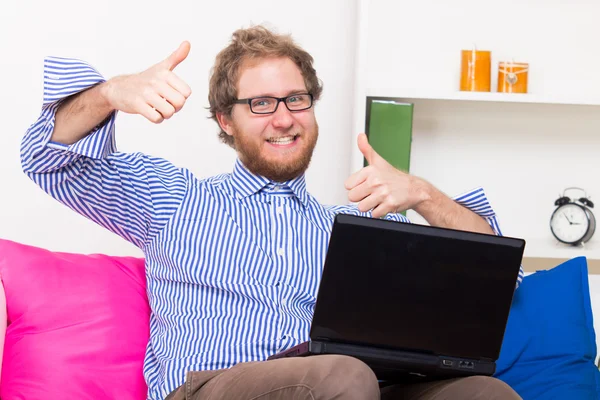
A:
268	104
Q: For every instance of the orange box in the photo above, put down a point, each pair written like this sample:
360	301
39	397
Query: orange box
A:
475	73
512	77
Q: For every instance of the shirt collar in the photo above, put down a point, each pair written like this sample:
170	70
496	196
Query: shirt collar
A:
245	183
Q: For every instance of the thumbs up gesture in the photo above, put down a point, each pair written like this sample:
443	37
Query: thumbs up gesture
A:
382	188
156	93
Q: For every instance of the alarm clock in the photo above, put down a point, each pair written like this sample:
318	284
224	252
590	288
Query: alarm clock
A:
573	222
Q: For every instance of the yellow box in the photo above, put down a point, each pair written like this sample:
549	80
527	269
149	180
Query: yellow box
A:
512	77
475	71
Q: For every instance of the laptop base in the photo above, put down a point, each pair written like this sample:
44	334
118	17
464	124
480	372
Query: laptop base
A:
396	365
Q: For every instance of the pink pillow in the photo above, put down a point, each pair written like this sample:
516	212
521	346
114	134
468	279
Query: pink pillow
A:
77	325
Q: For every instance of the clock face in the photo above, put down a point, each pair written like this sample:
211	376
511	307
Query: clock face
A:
569	223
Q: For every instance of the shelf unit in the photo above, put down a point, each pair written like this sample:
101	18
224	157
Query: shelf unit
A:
526	147
541	247
392	93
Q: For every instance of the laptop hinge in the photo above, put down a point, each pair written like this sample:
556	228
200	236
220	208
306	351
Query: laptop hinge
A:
341	342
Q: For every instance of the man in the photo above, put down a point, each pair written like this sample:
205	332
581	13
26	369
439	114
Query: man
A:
233	261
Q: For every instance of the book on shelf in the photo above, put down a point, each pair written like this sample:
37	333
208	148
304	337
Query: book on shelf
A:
390	131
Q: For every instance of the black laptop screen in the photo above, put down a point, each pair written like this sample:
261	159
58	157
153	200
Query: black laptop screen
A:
412	287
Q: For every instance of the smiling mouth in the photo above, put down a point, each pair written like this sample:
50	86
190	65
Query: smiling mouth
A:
283	140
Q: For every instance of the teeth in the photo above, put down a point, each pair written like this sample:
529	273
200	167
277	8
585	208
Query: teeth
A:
283	140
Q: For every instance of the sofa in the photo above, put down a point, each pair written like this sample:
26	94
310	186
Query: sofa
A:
75	326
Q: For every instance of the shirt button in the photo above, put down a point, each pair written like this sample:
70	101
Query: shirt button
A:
280	251
280	210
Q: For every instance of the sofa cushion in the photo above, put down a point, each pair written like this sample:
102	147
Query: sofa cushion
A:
77	325
549	345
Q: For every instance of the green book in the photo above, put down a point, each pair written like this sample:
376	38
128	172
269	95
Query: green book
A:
390	131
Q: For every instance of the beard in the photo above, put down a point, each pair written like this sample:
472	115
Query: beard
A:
249	152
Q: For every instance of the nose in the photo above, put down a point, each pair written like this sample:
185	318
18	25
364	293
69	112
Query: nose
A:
282	118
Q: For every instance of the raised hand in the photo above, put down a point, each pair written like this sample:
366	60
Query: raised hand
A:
382	188
156	93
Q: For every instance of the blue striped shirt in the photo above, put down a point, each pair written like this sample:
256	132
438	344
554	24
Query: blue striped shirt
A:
233	262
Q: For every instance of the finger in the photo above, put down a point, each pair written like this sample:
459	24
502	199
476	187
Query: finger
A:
380	211
161	105
366	149
358	193
357	178
171	95
149	113
177	56
369	203
179	85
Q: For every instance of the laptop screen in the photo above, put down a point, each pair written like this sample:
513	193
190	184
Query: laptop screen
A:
413	287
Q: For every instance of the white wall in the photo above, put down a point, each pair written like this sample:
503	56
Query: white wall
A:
120	37
523	154
418	44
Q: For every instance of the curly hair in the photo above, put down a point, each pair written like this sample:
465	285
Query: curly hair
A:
250	44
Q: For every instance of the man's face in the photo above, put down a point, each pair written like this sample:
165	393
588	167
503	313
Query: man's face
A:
278	146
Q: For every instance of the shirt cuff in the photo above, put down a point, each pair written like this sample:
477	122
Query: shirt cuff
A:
64	77
477	201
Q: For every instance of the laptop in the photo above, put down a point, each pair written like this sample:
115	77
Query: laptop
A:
413	301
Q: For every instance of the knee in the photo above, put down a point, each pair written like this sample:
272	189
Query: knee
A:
485	387
349	378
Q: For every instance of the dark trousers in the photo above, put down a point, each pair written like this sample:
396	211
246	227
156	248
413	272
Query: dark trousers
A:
326	377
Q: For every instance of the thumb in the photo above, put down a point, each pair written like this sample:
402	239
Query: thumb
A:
366	149
177	56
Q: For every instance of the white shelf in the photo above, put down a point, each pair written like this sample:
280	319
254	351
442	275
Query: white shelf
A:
482	96
549	248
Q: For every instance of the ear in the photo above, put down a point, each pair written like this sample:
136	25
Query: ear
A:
225	122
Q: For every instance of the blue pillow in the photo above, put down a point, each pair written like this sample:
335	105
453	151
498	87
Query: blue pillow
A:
549	345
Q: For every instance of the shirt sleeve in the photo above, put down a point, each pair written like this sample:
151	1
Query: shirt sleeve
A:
476	201
132	195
